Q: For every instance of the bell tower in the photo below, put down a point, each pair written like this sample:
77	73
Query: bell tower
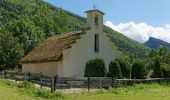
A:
95	19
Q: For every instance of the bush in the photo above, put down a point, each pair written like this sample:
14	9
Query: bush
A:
125	67
44	93
95	68
7	82
114	70
166	73
25	84
138	70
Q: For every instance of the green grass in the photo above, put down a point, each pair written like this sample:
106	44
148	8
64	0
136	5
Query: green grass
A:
9	90
26	91
138	92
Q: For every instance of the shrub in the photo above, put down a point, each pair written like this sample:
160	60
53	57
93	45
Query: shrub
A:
42	93
138	70
166	73
25	84
125	67
7	82
95	68
114	70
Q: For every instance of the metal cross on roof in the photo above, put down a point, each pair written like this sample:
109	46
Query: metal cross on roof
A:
94	7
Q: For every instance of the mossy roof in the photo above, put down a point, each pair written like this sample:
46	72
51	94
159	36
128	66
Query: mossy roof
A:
52	48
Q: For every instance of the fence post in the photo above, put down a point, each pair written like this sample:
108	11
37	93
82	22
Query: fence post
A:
134	81
25	76
52	84
113	80
55	81
15	76
88	83
40	79
29	76
5	74
100	83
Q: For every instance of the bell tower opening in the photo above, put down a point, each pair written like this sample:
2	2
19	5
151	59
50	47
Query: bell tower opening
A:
95	19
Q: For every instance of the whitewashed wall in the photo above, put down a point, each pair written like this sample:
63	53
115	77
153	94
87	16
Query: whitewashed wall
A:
49	68
75	58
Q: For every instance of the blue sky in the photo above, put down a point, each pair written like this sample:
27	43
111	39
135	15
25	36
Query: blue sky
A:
137	19
152	12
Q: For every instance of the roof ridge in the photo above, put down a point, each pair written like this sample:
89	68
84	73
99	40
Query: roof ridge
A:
66	34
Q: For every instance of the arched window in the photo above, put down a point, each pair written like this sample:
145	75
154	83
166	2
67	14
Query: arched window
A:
96	19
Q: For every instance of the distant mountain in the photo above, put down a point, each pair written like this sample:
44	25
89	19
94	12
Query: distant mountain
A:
156	43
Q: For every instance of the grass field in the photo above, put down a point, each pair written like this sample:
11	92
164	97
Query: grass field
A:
137	92
10	91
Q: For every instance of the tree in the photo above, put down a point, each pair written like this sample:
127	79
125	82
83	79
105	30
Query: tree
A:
10	51
114	70
125	67
153	53
29	35
95	68
138	70
163	51
157	70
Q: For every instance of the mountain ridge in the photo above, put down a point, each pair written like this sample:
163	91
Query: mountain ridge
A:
156	43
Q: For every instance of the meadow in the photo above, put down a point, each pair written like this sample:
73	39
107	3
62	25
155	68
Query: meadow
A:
9	90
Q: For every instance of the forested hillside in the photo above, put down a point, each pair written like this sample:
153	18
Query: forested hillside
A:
128	46
26	23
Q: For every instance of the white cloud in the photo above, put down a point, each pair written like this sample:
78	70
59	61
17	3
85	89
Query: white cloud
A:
141	31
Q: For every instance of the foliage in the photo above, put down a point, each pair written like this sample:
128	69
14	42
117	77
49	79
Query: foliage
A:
10	50
157	70
159	61
95	68
153	53
125	67
46	94
25	84
114	70
138	70
28	34
24	24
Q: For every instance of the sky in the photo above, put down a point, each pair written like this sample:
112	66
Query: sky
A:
137	19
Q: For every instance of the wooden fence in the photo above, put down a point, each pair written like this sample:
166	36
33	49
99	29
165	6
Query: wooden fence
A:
55	82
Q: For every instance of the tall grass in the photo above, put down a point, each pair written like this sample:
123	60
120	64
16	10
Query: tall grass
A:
29	88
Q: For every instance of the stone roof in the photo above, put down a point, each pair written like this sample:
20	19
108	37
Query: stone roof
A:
52	48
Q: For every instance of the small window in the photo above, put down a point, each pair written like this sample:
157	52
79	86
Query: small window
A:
96	43
96	20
